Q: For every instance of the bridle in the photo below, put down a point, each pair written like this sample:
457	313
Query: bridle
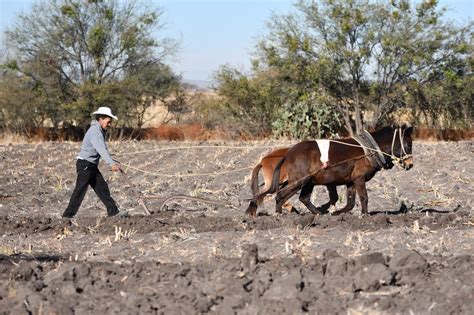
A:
404	155
392	156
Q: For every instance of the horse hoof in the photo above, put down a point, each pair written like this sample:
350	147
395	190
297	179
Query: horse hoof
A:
251	214
251	211
320	211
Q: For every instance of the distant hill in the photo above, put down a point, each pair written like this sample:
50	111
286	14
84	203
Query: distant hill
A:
197	84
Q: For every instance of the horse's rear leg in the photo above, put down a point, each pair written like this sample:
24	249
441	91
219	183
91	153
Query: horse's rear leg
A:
333	197
305	198
254	204
283	195
350	194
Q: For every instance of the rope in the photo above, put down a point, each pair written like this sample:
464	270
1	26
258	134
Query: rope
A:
223	172
378	151
393	157
197	147
247	147
184	175
185	148
313	173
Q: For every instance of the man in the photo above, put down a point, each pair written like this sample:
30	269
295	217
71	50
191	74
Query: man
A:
92	149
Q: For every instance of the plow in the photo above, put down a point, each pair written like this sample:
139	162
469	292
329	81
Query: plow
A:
164	200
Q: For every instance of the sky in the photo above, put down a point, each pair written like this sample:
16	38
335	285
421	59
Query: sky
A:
213	33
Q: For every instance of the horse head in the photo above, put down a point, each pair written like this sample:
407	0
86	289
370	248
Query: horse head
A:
395	142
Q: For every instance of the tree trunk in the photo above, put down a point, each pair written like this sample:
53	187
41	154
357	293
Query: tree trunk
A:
358	119
345	112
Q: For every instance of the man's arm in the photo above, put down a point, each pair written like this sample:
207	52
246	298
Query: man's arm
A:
98	142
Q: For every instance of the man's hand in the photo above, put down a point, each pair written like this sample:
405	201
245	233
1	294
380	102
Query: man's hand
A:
116	167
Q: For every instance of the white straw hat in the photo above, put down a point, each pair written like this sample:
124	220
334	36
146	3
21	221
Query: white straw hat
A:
104	111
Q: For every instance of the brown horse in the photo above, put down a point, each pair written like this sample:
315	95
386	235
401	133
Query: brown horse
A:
267	164
350	164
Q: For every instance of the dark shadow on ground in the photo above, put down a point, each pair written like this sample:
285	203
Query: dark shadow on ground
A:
15	258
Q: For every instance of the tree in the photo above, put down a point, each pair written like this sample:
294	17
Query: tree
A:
365	52
248	104
78	55
265	101
20	107
146	86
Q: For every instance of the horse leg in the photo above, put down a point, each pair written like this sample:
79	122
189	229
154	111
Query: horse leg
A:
267	173
350	196
283	195
362	192
252	209
333	197
305	198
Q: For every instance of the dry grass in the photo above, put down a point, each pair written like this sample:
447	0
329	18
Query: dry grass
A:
12	138
65	232
8	250
123	234
433	191
156	115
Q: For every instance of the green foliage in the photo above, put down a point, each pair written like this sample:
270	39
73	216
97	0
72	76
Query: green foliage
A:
282	102
308	117
20	107
96	41
447	103
74	56
209	111
69	10
362	58
334	62
248	104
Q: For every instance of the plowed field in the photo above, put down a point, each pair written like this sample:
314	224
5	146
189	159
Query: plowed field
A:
412	255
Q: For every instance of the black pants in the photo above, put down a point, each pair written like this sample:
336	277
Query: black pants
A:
89	174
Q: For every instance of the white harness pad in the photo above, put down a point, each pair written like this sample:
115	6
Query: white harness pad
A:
323	145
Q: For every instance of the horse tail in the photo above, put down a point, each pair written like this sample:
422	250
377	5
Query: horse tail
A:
274	187
254	180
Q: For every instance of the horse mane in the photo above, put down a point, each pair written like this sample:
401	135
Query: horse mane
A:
384	130
379	131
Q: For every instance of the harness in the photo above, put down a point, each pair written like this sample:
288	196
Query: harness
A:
375	155
367	143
